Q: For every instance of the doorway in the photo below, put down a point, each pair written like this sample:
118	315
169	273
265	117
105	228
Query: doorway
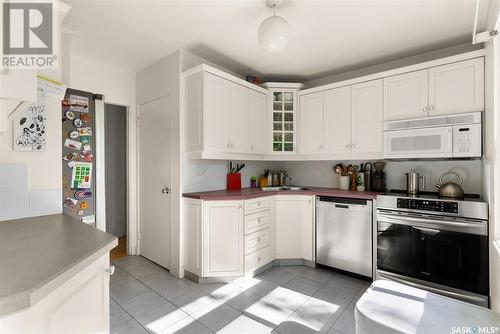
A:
115	134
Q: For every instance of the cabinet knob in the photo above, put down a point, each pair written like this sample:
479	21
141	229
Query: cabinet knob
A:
258	220
258	240
165	190
110	270
239	207
424	109
321	147
259	259
259	203
431	107
353	146
347	145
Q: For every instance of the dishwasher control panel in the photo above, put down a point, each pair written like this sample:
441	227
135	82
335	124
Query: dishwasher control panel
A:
427	205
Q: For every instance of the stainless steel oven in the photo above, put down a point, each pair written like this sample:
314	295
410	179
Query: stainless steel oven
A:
435	244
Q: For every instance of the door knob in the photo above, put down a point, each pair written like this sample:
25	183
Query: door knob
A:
165	190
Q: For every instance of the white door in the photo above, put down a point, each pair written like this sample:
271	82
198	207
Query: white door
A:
366	117
154	178
311	123
259	123
337	120
406	95
239	119
217	112
457	87
294	227
223	238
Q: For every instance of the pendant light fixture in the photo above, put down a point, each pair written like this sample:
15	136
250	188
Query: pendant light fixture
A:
273	31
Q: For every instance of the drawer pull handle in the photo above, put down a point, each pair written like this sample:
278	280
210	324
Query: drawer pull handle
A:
258	220
258	239
259	259
259	204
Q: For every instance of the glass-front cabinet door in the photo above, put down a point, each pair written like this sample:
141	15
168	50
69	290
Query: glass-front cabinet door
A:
283	122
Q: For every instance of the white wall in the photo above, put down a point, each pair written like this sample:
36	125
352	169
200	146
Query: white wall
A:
428	56
321	174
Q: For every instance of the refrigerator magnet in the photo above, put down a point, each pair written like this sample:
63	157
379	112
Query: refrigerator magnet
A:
70	143
70	115
84	139
70	202
79	212
84	205
85	131
77	122
85	118
70	156
81	194
74	134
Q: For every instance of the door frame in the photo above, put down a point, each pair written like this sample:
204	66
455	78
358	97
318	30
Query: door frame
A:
132	177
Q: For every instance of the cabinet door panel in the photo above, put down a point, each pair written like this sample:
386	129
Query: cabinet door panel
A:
259	123
223	238
294	227
366	117
239	119
406	95
217	112
311	124
337	120
457	87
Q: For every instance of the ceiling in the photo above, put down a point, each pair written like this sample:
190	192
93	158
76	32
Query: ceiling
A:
325	36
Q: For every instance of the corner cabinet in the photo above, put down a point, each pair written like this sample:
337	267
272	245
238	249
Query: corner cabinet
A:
346	120
223	114
447	89
294	227
283	117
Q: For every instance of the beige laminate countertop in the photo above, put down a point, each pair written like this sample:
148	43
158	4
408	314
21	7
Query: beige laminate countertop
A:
38	254
248	193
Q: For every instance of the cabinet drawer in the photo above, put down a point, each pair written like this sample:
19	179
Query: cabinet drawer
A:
256	241
257	259
256	221
256	204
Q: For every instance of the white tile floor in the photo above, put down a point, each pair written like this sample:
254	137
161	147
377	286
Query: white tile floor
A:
145	298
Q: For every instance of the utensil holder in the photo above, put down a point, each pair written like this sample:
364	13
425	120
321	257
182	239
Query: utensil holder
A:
233	181
344	182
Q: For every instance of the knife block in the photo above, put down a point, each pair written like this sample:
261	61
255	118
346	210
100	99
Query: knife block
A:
233	181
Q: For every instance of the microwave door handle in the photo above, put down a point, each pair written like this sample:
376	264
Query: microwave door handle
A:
412	220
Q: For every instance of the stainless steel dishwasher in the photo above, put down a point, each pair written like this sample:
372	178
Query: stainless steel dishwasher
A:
344	234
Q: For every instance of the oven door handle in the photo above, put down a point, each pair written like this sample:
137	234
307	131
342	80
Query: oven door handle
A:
405	220
431	289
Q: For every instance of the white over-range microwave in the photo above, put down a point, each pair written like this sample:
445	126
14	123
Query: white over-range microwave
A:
451	136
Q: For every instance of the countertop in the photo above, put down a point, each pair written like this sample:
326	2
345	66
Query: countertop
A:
247	193
38	254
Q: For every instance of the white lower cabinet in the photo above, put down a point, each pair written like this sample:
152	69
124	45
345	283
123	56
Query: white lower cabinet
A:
80	305
222	230
294	227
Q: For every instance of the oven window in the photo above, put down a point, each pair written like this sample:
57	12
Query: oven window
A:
449	258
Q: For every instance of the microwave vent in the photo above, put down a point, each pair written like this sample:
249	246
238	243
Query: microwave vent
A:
433	121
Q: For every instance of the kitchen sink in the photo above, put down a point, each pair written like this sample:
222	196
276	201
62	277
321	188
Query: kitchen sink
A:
285	189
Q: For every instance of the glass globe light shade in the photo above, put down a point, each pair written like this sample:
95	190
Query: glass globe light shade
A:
273	34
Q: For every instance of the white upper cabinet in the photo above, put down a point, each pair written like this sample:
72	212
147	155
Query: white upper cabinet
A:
258	112
218	104
223	114
457	87
447	89
337	120
311	124
283	121
406	95
240	119
366	117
